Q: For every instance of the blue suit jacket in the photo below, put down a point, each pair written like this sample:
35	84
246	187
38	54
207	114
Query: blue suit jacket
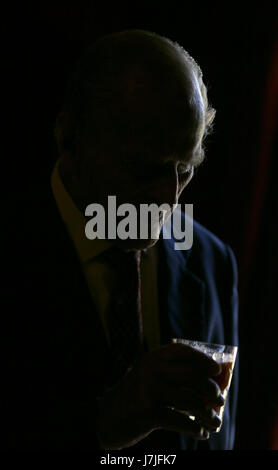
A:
57	359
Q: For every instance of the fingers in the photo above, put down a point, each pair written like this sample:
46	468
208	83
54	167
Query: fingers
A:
208	389
182	375
182	353
187	400
172	420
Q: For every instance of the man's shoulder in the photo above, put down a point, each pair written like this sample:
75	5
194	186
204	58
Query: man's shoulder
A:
202	236
210	251
206	250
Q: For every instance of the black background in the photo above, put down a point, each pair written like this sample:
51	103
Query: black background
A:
234	44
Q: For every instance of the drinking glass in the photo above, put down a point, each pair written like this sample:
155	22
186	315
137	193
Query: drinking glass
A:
223	354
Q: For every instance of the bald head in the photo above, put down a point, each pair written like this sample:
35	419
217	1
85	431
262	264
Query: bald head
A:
135	91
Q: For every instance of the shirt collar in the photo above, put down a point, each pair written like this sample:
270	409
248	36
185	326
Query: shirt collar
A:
75	221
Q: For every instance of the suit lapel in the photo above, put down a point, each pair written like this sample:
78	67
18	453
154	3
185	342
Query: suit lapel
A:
181	295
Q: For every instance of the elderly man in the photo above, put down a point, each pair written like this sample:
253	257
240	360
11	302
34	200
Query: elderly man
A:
97	365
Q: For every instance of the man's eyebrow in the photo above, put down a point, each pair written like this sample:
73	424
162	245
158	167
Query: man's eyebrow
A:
198	157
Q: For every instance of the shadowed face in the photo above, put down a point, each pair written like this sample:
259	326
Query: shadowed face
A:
155	159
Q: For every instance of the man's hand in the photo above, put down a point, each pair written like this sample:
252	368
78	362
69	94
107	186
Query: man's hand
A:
173	377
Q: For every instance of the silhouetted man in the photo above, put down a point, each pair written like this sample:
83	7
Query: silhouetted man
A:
94	374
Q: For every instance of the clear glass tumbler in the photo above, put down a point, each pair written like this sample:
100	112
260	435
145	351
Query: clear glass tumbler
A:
223	354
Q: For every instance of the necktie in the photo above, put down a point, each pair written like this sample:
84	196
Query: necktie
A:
125	314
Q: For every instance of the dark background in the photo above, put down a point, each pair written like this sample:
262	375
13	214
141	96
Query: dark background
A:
234	193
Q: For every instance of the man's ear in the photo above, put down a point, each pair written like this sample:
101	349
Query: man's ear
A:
65	133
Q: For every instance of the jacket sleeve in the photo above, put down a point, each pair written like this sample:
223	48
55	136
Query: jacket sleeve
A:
227	292
232	337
